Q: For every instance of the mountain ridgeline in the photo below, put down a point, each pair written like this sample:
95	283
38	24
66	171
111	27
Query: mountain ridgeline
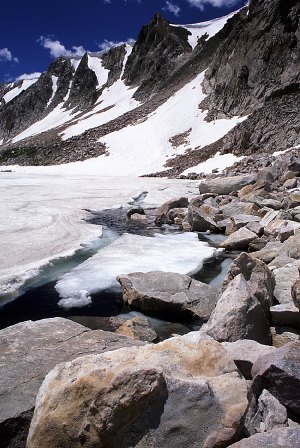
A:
252	70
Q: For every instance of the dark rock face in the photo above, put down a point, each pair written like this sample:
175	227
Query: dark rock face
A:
32	104
256	70
155	55
279	373
113	61
83	91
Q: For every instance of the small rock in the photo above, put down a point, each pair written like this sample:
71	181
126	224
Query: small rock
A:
141	219
138	328
278	438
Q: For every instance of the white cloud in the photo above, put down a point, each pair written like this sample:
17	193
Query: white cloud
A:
200	4
107	44
6	56
172	7
28	76
57	49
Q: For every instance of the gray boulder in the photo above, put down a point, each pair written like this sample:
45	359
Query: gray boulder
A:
259	277
29	351
238	315
225	185
278	438
279	373
239	240
185	391
200	220
170	294
266	415
163	210
245	352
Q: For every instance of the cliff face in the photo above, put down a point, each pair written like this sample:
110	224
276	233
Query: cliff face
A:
260	56
159	49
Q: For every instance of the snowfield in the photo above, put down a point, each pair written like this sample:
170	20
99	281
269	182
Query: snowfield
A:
210	28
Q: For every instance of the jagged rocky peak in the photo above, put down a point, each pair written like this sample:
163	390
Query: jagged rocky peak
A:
83	91
113	61
154	55
260	56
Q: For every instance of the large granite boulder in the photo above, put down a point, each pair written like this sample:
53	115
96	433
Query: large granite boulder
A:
225	185
169	294
185	391
258	275
29	351
278	438
279	373
238	315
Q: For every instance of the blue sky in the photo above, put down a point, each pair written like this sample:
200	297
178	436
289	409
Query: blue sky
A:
34	32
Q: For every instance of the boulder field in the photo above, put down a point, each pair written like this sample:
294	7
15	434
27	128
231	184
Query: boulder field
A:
234	382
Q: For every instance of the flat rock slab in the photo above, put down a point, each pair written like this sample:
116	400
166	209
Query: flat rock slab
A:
225	185
168	293
183	392
29	350
285	277
239	239
278	438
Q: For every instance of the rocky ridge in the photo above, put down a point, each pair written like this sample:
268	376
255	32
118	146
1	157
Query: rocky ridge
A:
251	70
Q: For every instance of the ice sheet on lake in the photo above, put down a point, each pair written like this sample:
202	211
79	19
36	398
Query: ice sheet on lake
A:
42	214
182	253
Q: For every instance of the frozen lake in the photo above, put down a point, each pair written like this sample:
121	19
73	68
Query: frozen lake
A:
44	214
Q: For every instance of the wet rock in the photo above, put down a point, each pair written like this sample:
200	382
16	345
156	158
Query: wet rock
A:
139	218
134	211
163	210
138	328
36	347
279	373
278	438
225	185
166	293
238	315
182	392
239	240
245	353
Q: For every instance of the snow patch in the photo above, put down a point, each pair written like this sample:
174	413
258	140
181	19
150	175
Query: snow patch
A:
95	64
182	253
24	85
55	118
54	89
211	28
217	162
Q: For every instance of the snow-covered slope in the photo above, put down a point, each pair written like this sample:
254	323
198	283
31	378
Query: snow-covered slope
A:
16	90
210	28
